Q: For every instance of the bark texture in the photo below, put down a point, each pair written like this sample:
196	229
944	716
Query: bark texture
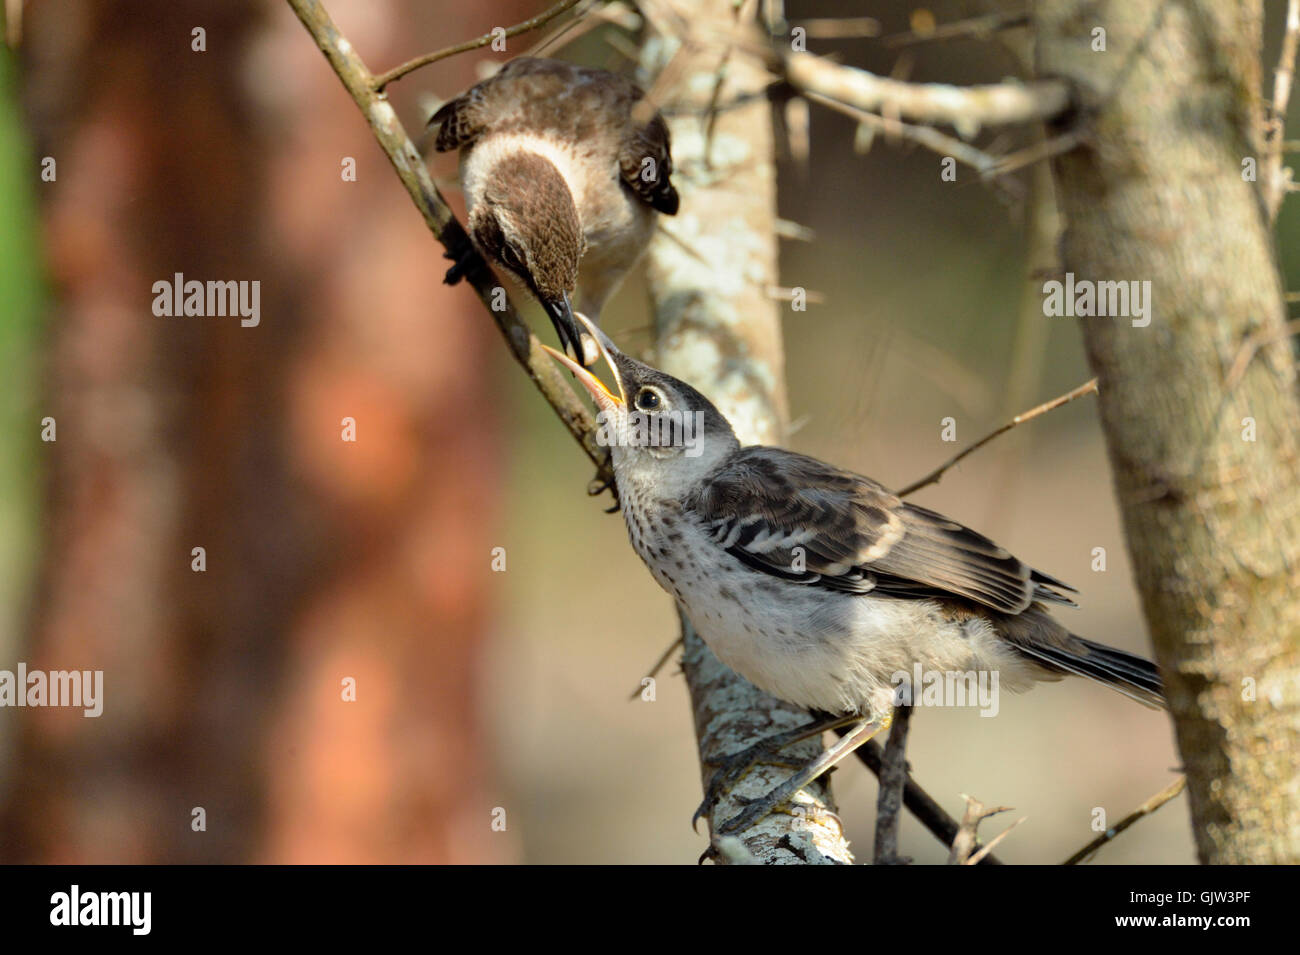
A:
1203	444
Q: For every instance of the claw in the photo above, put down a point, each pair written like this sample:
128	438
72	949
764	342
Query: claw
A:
604	481
736	766
463	263
864	729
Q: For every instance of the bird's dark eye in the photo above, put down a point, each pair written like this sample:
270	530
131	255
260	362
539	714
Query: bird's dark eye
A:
647	399
511	258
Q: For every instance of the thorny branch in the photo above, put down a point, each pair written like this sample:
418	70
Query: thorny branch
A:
966	849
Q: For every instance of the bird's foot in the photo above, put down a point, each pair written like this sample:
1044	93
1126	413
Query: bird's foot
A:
756	809
736	766
464	262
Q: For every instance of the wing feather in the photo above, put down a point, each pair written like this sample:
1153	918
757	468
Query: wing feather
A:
802	519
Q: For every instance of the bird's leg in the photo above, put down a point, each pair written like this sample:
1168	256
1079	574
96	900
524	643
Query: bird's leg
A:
862	731
736	766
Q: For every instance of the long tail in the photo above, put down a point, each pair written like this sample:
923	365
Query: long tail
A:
1134	676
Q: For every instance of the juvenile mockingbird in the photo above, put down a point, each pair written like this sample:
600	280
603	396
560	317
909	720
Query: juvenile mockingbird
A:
562	182
816	584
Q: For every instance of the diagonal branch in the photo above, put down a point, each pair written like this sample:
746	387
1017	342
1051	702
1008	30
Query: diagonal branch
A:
1146	809
1087	388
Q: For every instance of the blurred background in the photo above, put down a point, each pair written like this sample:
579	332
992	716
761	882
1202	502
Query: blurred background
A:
476	690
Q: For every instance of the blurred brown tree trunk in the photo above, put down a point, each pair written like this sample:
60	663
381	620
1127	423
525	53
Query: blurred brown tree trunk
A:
1201	429
326	560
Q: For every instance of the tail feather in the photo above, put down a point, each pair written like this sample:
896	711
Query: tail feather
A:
1134	676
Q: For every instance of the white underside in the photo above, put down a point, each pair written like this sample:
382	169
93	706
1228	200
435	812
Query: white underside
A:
816	647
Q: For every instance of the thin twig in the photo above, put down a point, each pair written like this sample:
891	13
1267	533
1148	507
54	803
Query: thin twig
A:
1146	809
1043	149
839	28
919	803
1250	348
981	28
658	665
714	98
590	17
931	139
1087	388
977	856
410	66
893	781
966	849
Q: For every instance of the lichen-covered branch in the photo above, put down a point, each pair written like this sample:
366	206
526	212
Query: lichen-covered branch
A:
1205	458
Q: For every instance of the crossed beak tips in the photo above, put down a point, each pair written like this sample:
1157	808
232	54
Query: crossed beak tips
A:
604	398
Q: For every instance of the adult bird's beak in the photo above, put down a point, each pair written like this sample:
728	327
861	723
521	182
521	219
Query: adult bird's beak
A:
604	398
566	327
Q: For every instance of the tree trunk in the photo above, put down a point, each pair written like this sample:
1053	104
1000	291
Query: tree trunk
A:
1202	442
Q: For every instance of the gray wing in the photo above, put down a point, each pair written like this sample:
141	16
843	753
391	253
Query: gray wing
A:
801	519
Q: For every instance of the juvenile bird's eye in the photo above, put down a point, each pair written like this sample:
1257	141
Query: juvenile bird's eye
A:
647	399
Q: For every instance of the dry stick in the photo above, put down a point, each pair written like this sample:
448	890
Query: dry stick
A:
980	28
919	803
931	139
893	780
1043	149
839	28
388	131
1146	809
1088	387
966	845
1274	185
587	19
978	856
1250	348
658	665
713	107
411	66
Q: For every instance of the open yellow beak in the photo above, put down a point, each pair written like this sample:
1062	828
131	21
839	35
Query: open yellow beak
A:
605	399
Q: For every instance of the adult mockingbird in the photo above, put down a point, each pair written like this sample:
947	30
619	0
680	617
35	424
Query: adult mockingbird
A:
562	179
